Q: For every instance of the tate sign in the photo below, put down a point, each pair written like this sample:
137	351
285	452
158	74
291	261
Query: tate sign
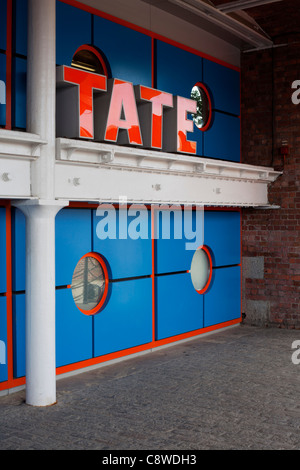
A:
91	106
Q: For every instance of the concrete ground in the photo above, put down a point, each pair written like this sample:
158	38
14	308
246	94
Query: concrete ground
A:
235	389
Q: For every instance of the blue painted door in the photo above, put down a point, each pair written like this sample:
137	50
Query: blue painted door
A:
3	340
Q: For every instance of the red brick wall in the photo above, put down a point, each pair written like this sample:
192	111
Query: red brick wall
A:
268	118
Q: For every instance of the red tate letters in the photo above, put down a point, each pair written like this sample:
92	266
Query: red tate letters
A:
111	110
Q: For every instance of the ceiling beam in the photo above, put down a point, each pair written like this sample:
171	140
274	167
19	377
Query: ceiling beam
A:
218	19
243	5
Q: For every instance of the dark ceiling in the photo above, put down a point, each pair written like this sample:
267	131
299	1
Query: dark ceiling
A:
268	23
278	19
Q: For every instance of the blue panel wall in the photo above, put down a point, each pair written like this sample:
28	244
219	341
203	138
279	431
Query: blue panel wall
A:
224	85
19	65
2	63
126	257
126	321
175	254
73	240
74	341
2	250
3	312
127	51
222	139
73	332
73	29
73	237
3	340
222	302
2	89
19	335
18	250
19	101
179	307
222	235
177	72
21	27
3	24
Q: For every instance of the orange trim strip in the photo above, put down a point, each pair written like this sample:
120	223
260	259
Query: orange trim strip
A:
144	347
124	353
84	205
12	384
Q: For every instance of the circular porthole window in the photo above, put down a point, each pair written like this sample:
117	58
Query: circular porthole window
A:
202	117
90	59
90	283
201	269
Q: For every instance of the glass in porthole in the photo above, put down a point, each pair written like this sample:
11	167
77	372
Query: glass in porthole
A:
201	117
88	283
200	269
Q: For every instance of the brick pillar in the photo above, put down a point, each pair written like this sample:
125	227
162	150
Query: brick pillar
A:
273	237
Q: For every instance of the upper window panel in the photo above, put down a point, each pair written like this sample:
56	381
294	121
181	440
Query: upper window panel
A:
3	24
128	52
224	85
20	20
73	28
177	71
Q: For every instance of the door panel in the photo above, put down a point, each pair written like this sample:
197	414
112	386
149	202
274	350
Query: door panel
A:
126	321
179	306
223	300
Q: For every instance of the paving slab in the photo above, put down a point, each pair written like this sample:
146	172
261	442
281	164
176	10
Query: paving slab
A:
237	389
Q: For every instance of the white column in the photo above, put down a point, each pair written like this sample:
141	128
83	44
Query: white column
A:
40	301
41	91
40	212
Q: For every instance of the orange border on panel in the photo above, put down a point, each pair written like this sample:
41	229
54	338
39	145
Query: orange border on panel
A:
100	260
11	381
